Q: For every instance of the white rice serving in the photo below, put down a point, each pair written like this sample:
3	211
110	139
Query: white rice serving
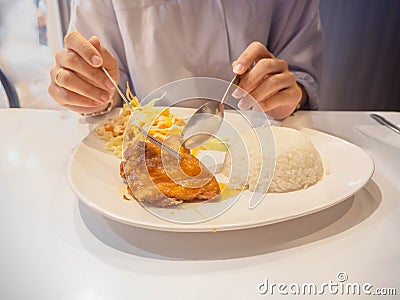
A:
250	161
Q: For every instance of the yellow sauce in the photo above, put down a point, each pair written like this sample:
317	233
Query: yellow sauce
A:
227	192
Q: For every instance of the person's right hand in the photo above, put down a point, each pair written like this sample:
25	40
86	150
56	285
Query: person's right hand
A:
82	86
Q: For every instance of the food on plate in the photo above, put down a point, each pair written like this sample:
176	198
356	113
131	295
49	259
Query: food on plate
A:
160	180
152	177
159	122
298	164
112	132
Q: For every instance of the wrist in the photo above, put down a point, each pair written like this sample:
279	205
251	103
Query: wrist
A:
304	96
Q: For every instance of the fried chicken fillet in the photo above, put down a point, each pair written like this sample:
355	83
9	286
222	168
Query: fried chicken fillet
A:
158	179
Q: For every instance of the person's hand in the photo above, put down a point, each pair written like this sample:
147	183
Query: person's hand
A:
77	82
268	81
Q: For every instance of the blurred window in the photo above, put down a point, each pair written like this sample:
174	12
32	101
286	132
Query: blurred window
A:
41	9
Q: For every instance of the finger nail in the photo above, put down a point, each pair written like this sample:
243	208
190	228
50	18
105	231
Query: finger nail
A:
238	93
244	104
108	84
96	61
105	96
238	68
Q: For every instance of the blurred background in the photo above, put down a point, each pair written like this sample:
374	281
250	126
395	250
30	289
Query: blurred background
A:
361	51
361	55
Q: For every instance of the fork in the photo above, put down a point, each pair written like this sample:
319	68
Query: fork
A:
151	138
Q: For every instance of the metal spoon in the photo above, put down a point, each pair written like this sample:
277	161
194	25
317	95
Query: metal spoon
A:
205	122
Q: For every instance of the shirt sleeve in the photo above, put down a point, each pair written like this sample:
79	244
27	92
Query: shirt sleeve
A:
296	37
97	17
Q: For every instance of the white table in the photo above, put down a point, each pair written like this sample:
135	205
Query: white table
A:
54	247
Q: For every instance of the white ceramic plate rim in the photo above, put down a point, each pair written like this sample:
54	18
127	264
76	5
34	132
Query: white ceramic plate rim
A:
284	206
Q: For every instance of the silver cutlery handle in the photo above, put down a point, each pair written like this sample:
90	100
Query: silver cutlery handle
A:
385	122
116	86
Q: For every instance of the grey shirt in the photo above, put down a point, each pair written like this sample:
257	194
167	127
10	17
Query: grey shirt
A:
160	41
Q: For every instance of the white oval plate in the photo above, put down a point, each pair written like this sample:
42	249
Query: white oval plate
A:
93	175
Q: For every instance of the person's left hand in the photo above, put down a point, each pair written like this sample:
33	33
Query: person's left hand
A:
269	82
